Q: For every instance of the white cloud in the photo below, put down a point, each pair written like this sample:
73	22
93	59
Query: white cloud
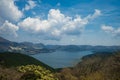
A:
9	11
117	32
57	24
107	28
8	29
72	40
75	26
110	29
34	25
96	14
31	4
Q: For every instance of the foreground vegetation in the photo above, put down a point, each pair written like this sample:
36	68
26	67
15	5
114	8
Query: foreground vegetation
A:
33	72
15	66
99	66
28	72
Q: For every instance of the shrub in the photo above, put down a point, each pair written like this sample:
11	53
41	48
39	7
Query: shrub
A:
33	72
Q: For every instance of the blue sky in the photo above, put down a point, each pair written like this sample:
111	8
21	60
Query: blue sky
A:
65	22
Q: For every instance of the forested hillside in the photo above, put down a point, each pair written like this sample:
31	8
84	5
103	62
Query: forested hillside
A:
99	66
15	66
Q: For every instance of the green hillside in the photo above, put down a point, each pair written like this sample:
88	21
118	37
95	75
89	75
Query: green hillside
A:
8	59
16	66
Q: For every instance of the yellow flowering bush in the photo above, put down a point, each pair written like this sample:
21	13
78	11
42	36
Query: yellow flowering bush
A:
33	72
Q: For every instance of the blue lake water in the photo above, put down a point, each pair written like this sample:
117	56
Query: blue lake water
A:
60	59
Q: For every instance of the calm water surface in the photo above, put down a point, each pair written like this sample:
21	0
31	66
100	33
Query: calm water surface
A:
60	59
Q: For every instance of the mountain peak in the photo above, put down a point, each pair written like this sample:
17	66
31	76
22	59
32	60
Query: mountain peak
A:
3	40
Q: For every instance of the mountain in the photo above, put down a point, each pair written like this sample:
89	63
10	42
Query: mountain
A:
4	44
2	40
31	48
75	48
69	48
23	47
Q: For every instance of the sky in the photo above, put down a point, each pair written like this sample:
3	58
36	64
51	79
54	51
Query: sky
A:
61	22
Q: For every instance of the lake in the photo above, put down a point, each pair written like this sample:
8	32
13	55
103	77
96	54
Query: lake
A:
61	59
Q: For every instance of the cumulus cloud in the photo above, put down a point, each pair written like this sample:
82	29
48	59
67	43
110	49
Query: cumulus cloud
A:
107	28
8	29
57	24
110	29
31	4
34	25
9	11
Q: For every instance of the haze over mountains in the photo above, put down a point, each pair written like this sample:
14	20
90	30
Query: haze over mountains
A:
31	48
24	47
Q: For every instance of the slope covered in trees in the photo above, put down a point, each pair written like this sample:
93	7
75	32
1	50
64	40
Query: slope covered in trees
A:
15	66
9	59
99	66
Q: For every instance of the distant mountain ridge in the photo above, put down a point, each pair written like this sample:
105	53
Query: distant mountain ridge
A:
76	48
23	47
31	48
2	40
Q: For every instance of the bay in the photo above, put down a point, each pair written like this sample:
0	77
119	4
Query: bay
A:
61	59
